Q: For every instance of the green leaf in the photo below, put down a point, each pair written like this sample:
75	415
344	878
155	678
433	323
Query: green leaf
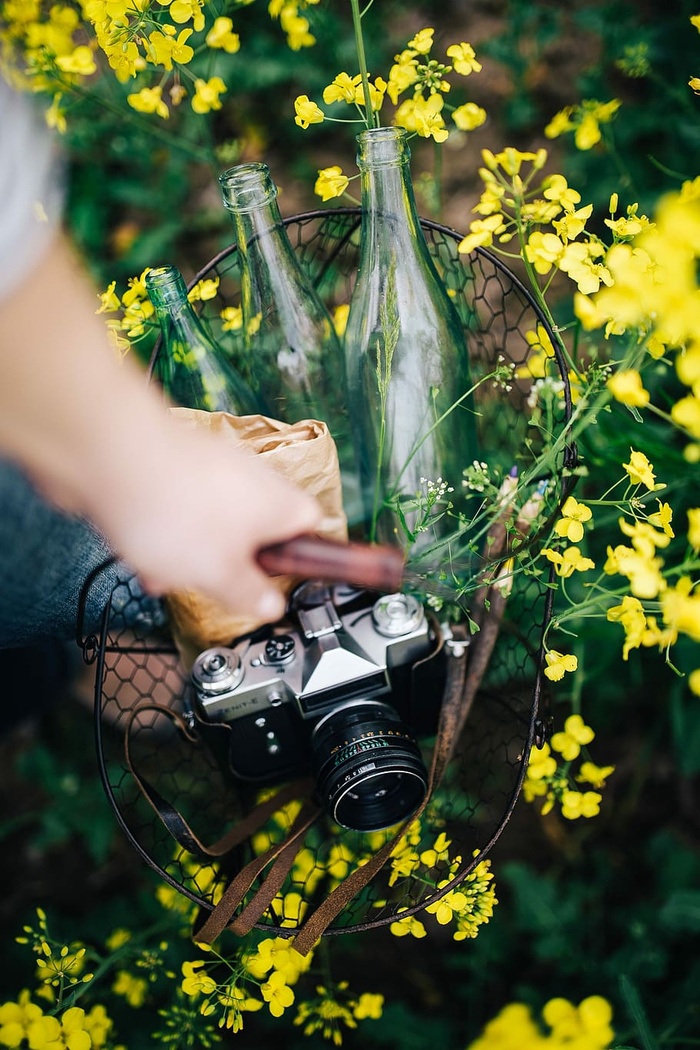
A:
682	911
637	1013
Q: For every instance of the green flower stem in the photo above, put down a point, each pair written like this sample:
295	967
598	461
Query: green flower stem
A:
371	119
109	962
539	294
437	176
421	441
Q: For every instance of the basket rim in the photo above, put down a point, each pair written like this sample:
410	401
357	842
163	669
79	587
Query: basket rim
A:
448	231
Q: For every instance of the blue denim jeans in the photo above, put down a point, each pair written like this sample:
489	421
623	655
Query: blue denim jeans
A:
46	557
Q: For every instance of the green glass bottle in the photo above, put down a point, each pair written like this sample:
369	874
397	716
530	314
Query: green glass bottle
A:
406	360
288	345
192	368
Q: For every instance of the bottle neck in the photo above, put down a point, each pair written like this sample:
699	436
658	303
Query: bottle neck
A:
167	291
250	196
388	202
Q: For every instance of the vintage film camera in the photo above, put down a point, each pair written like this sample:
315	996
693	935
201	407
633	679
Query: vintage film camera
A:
335	692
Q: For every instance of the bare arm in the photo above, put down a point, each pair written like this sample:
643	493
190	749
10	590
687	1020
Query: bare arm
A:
98	441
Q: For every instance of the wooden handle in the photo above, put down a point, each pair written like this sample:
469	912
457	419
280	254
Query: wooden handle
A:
377	567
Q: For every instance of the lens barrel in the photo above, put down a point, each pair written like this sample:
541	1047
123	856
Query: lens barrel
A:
369	770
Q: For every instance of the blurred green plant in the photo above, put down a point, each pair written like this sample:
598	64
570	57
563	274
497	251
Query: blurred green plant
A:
154	121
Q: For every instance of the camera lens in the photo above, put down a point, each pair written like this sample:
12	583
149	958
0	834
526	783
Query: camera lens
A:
369	770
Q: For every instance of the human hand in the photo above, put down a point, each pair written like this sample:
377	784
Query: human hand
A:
193	515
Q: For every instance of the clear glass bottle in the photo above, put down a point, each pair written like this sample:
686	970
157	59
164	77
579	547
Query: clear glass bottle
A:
192	368
292	355
406	358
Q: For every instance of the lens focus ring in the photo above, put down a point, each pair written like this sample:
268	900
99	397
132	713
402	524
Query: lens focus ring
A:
369	769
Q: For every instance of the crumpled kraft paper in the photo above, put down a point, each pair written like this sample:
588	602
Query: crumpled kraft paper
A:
306	455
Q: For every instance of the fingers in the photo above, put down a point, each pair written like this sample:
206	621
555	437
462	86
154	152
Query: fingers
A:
194	516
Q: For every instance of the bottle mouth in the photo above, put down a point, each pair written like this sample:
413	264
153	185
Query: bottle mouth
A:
247	186
380	146
165	284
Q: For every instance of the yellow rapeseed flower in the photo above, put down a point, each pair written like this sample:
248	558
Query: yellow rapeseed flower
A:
307	112
641	471
568	562
586	1025
482	233
331	182
463	58
575	804
423	116
17	1018
195	981
573	515
340	318
556	188
206	96
574	735
543	250
221	36
341	89
132	988
645	538
182	11
514	1028
149	100
165	48
422	42
661	518
629	613
558	664
626	386
469	116
594	775
369	1005
409	924
686	414
232	317
542	763
694	528
81	62
277	993
681	608
453	902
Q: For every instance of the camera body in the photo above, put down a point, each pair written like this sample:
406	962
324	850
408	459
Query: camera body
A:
324	691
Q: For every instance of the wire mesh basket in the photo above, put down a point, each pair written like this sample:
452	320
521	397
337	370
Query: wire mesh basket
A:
140	677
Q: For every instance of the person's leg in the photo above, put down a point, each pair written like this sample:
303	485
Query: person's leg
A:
46	558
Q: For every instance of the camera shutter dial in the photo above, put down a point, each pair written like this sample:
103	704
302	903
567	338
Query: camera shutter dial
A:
217	670
280	649
397	614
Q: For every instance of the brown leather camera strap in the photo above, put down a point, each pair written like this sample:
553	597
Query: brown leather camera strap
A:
283	854
457	700
173	819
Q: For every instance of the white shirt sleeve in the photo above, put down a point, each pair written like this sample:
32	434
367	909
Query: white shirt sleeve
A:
31	187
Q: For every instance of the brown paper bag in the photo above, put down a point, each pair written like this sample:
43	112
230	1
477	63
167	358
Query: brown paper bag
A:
303	452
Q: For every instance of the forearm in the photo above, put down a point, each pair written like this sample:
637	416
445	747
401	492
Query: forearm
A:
68	406
181	508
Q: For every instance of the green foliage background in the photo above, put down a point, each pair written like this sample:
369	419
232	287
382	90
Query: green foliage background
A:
610	906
